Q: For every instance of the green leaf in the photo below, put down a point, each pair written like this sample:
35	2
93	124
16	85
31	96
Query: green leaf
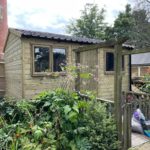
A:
75	108
72	116
38	134
67	109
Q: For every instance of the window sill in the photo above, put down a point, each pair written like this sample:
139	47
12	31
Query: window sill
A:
49	74
112	72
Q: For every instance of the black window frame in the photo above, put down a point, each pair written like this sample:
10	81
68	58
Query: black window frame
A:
112	71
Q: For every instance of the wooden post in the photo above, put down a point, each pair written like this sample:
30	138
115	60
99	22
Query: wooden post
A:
77	80
129	116
118	89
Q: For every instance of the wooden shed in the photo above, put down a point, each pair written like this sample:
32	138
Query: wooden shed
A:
32	57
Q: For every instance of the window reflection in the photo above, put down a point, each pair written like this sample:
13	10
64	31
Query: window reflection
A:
41	59
59	59
110	61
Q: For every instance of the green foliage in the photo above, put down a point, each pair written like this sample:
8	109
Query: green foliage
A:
146	86
56	120
123	25
90	24
132	25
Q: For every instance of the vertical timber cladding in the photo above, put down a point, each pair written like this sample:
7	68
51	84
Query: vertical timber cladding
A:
2	79
88	72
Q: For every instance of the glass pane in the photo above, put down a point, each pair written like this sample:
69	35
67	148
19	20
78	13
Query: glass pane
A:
41	59
59	59
123	63
109	61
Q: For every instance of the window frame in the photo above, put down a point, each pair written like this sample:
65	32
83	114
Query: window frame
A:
112	72
50	71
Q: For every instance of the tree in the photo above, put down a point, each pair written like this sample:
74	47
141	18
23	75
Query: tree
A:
123	26
132	25
141	13
141	29
90	24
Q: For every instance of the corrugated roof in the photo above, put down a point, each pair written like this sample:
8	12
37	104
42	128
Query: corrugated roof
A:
141	59
58	37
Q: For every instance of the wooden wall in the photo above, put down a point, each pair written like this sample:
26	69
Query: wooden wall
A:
2	79
106	80
13	66
89	61
103	83
33	85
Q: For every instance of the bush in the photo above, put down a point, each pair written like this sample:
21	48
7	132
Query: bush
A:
56	120
146	86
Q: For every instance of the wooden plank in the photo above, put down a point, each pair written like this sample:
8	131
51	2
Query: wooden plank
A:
77	80
129	115
95	46
118	89
135	51
125	127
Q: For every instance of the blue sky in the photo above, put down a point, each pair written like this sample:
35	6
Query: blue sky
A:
54	15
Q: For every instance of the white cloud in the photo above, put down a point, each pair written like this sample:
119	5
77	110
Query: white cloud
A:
43	14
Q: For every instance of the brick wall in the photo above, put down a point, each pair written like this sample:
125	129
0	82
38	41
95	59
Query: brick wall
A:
140	70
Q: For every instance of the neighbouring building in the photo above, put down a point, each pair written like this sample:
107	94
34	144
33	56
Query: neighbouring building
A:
140	64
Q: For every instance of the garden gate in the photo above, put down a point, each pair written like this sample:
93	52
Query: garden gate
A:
131	101
123	116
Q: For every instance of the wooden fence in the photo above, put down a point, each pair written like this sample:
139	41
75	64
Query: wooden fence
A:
131	101
108	103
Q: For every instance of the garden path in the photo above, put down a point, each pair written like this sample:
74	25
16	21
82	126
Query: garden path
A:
140	142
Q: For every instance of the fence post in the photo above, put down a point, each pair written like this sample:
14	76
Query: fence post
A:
118	89
129	116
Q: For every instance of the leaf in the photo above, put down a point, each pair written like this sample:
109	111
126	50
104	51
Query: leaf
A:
75	108
67	109
38	134
47	104
85	75
72	116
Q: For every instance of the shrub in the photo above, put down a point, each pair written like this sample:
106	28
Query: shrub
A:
57	120
146	86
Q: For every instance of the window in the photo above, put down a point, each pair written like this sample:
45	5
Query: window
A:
110	61
46	58
59	57
41	59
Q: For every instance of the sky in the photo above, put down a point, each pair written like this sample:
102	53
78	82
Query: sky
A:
53	15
